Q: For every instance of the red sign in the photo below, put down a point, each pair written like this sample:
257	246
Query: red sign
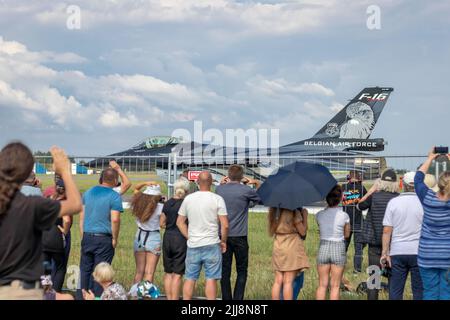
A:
193	175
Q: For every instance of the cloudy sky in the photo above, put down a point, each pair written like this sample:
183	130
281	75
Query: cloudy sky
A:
139	68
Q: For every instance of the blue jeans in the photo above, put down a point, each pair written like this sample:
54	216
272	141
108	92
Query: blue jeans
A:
237	246
297	286
436	283
401	266
94	249
209	257
359	248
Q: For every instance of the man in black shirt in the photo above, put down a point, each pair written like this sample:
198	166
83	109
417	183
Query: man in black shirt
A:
23	219
353	192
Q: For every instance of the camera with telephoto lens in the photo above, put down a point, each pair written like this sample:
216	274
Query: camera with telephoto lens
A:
386	271
441	150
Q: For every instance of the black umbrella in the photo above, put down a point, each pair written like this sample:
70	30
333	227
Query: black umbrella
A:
296	185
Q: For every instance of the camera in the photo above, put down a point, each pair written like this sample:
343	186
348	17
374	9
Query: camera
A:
441	150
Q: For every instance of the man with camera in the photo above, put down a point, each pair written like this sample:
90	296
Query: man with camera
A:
32	186
402	225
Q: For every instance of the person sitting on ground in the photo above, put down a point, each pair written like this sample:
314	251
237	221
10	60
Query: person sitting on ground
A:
376	201
50	293
23	219
205	211
334	229
401	233
289	258
174	243
146	207
32	186
239	197
104	275
434	243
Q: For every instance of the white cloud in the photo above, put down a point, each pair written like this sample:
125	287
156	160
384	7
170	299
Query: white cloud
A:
282	86
111	118
20	51
249	17
71	99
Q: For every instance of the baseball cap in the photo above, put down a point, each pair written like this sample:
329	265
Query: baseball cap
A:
408	178
154	190
389	175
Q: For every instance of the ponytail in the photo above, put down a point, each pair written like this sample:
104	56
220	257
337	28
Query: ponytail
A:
8	189
16	164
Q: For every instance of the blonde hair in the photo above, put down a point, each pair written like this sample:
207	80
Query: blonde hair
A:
444	184
103	273
181	188
388	186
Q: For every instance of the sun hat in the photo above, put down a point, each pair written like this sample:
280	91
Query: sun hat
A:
154	190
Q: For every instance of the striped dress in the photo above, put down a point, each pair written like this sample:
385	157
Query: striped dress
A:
434	244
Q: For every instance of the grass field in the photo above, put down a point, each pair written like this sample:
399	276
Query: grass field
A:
260	274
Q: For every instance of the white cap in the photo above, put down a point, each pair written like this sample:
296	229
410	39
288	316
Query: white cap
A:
154	190
408	178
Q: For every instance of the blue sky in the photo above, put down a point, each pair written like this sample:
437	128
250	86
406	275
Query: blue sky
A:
144	68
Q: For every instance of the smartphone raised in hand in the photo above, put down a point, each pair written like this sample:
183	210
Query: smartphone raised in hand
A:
441	150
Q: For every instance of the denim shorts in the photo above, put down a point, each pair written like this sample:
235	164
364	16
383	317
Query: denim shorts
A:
148	241
209	257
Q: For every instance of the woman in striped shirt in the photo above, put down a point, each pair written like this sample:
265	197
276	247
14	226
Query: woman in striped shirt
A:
434	244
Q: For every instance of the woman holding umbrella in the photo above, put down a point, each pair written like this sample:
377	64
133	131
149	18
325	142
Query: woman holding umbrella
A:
293	186
289	256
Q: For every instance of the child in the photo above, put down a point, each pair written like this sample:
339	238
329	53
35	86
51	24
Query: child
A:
104	275
50	293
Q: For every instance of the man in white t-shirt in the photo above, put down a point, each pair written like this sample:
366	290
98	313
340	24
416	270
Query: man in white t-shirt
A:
401	233
205	211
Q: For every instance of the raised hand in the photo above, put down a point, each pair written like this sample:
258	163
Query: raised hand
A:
113	164
225	180
61	163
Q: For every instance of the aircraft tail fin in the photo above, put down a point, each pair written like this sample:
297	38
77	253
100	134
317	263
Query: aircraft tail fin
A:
359	117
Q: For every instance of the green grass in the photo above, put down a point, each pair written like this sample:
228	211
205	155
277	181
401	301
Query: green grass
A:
260	273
